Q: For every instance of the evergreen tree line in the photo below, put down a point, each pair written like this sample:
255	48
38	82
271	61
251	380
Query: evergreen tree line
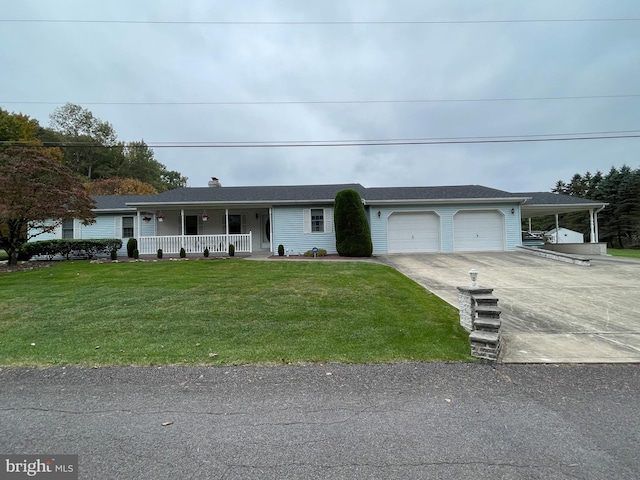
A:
619	222
91	149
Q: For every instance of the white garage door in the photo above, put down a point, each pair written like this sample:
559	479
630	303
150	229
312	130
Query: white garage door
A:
478	231
413	232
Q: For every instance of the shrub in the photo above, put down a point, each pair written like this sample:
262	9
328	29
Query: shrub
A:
159	253
321	253
114	254
232	249
87	248
353	236
132	245
281	250
136	254
183	253
206	252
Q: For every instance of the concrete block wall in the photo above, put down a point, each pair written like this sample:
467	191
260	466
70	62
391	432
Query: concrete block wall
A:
578	248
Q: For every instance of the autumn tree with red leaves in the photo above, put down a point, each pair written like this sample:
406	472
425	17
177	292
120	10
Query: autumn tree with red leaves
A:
37	192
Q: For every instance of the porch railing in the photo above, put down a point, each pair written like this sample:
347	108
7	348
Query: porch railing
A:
171	244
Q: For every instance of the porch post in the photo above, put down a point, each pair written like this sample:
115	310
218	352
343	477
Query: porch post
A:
557	230
182	226
592	223
596	229
270	232
226	222
138	232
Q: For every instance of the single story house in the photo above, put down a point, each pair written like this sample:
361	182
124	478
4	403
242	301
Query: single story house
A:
564	235
460	218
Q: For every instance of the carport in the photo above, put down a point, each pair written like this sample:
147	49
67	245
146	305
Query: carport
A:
539	204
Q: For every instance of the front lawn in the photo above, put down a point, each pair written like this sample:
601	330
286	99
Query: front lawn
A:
624	252
222	312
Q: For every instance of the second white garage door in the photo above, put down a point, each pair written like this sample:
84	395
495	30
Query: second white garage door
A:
413	232
478	231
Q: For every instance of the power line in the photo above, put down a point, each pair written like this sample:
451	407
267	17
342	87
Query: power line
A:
559	137
334	102
356	22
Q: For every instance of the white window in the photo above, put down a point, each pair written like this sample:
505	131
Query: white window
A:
317	220
237	223
127	227
67	228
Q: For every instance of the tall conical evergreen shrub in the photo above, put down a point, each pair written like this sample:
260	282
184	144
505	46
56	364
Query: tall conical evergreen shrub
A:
353	235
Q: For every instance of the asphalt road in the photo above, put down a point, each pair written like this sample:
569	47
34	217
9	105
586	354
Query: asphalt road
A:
405	421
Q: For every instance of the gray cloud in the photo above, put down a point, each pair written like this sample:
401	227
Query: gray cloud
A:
97	62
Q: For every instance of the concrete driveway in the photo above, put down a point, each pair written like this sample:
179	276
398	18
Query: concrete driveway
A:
552	312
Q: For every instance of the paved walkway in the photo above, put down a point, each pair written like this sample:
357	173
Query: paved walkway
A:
552	312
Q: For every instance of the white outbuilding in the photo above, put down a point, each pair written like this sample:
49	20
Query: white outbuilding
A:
564	235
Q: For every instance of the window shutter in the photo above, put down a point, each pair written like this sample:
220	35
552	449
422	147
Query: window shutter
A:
328	220
306	220
118	224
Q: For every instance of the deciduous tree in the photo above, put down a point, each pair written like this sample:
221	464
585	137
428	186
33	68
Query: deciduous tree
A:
90	140
120	186
37	192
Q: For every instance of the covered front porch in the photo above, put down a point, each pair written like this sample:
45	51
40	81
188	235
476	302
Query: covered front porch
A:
172	229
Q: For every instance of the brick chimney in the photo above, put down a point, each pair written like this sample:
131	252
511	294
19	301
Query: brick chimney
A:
214	182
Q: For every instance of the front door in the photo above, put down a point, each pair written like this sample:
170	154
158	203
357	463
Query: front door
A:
265	229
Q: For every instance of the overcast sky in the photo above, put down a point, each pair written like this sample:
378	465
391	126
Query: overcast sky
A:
466	74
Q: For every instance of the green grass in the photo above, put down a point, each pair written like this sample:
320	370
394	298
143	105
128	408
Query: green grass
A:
623	252
243	312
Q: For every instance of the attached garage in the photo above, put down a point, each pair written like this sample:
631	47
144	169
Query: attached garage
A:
478	231
413	232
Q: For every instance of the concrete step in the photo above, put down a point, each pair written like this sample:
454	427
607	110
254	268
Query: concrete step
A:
487	338
488	311
485	299
487	324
